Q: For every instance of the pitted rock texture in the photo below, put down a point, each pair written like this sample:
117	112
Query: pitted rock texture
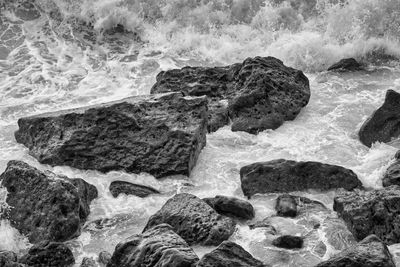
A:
288	176
384	124
49	254
158	246
258	94
161	135
231	207
371	212
370	252
122	187
44	206
194	220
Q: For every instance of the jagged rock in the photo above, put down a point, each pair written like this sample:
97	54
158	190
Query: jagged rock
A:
194	220
370	252
104	257
231	207
258	94
49	254
384	124
229	254
158	246
88	262
45	206
392	175
345	65
371	212
287	176
122	187
288	242
161	135
290	205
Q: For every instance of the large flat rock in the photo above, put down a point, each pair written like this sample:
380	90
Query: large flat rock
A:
258	94
160	134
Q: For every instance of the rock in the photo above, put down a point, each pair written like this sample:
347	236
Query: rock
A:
286	206
194	220
265	224
258	94
384	124
287	176
49	254
9	259
161	135
288	242
88	262
104	257
122	187
158	246
392	175
45	206
345	65
370	252
372	212
229	254
231	207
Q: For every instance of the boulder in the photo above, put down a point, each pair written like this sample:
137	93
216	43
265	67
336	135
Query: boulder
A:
122	187
49	254
371	212
194	220
370	252
392	175
160	134
158	246
288	242
44	206
258	94
229	254
289	205
384	124
287	176
346	65
231	207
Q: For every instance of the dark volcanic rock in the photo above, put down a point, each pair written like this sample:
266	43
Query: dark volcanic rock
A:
45	206
161	135
158	246
9	259
193	220
231	207
347	64
392	175
49	254
370	252
288	241
258	94
373	212
384	123
229	254
122	187
289	205
287	176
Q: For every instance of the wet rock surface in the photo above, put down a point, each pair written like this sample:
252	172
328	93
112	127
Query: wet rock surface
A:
392	174
231	207
258	94
287	176
370	252
345	65
51	254
44	206
160	134
371	212
88	262
290	205
9	259
288	242
122	187
194	220
158	246
384	124
229	254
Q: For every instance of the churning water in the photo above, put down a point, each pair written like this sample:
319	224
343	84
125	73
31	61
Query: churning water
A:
58	54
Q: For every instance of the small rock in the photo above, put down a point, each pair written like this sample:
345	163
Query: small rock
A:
286	206
88	262
288	242
49	254
231	207
392	175
104	257
265	224
122	187
345	65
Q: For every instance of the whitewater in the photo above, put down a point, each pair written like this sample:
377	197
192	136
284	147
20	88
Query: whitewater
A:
59	54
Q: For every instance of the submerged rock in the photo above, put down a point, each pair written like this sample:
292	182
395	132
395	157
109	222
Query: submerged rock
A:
371	212
288	242
370	252
287	176
194	220
45	206
122	187
49	254
104	257
347	64
258	94
392	175
231	207
384	124
158	246
290	205
88	262
161	135
229	254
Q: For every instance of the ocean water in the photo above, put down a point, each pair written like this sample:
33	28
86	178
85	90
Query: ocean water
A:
58	54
